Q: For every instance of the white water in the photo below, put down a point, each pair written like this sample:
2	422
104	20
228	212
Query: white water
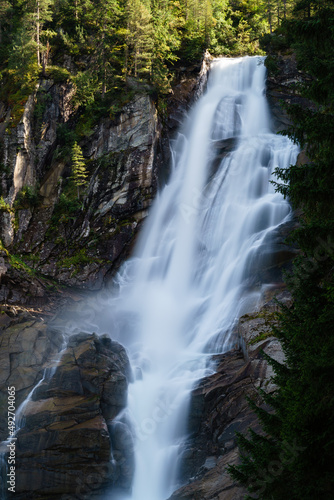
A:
193	273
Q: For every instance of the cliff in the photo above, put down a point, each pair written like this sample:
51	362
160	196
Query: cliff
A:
77	242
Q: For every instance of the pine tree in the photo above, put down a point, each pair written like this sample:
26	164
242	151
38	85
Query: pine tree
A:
41	14
79	171
5	9
140	38
166	42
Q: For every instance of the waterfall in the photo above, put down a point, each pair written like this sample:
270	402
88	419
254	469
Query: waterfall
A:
195	271
198	265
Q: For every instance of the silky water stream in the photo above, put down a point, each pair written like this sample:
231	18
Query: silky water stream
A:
194	270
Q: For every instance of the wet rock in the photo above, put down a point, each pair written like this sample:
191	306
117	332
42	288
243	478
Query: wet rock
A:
26	345
215	484
65	447
122	445
18	286
282	87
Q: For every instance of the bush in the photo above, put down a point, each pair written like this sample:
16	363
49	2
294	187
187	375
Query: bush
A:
58	74
28	197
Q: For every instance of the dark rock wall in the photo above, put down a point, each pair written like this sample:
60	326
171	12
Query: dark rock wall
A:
283	88
69	445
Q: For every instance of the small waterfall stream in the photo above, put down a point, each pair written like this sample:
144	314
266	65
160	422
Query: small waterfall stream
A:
194	271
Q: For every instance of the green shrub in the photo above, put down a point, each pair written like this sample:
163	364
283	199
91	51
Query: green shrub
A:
58	74
4	207
28	197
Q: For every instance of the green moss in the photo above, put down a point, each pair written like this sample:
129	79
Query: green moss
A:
5	207
3	249
76	261
58	74
15	90
270	320
19	264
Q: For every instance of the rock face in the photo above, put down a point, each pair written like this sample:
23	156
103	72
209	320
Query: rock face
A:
190	83
69	444
26	345
219	408
282	87
77	243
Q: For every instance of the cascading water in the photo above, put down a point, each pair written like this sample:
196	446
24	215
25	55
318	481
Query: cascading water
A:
192	277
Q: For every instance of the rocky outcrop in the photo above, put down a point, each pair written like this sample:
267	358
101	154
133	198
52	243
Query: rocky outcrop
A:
70	444
122	185
78	244
283	84
26	346
82	243
219	407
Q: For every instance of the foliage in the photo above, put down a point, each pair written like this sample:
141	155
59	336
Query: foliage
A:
79	172
86	86
79	258
66	137
58	74
4	207
27	197
65	208
93	43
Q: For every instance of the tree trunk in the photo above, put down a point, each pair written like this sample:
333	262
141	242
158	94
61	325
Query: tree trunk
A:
127	52
104	69
37	34
278	12
269	18
284	9
136	60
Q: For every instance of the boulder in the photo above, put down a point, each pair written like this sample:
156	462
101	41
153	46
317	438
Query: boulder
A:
63	449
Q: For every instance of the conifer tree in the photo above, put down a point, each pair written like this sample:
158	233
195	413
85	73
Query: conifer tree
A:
140	37
166	42
5	9
41	15
79	171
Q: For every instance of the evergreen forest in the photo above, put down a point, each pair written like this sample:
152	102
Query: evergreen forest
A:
99	45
